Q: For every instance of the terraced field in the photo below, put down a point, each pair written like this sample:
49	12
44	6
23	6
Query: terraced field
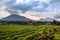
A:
29	32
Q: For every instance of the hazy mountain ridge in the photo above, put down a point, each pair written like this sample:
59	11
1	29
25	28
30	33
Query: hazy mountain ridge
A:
14	17
46	19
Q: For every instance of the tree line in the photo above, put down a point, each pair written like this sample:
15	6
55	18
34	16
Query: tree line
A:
54	22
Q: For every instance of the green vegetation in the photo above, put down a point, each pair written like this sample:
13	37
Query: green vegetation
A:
29	32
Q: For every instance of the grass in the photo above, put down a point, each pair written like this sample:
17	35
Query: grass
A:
29	32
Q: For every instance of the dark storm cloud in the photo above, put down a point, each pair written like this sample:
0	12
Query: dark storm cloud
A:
12	7
10	2
12	11
42	9
7	3
23	7
53	1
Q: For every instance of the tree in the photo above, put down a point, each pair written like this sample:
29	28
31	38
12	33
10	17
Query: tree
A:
30	22
54	21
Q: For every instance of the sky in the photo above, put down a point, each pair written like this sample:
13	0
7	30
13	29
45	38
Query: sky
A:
27	8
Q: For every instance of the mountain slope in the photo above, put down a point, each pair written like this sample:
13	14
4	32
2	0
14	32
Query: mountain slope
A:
46	19
15	17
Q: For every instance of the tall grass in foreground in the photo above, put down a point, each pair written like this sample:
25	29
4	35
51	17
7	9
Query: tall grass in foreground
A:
29	32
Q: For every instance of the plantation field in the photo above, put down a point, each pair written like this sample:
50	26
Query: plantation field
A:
29	32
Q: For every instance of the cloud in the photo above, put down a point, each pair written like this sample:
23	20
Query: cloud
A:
57	16
24	5
3	12
54	1
46	7
54	8
6	3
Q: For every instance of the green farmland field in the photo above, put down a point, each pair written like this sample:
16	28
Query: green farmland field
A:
29	32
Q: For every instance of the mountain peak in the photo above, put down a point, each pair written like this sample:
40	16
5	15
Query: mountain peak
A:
15	17
46	19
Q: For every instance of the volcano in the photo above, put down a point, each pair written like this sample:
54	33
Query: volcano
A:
46	19
15	17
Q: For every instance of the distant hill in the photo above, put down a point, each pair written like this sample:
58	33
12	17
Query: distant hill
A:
15	17
46	19
57	17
